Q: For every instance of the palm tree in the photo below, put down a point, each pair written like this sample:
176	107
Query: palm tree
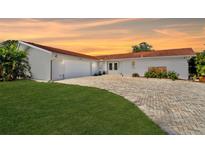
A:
13	61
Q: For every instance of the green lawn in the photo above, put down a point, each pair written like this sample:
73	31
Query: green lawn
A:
28	107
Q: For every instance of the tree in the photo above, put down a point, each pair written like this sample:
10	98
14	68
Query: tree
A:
143	46
13	62
192	67
200	63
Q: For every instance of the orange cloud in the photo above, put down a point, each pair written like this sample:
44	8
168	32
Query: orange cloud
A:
106	22
170	32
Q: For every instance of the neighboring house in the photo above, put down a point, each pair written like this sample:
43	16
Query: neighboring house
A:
48	63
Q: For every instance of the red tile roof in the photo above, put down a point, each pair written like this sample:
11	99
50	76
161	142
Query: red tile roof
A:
154	53
71	53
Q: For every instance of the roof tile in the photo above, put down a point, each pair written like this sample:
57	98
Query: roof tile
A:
71	53
153	53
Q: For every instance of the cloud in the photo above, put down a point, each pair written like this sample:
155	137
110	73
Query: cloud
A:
170	32
104	36
181	25
20	24
45	29
106	22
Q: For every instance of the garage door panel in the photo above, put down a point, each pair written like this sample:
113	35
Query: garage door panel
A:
57	70
77	68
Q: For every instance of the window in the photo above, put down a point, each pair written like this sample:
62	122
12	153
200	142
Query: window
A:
115	66
110	66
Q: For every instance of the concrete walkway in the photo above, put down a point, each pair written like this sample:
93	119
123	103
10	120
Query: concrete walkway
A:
178	107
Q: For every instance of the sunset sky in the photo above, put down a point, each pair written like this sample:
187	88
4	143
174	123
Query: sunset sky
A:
106	36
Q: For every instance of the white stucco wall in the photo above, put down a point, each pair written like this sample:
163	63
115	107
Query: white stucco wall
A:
95	67
39	62
102	66
177	64
65	66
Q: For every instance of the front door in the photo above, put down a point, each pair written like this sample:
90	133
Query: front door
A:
113	67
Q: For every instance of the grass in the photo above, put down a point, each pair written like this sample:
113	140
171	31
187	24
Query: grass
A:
28	107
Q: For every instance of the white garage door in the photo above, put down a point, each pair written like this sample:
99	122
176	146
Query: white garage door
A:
70	69
77	68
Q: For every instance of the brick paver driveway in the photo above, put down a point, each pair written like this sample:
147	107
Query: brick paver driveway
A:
178	107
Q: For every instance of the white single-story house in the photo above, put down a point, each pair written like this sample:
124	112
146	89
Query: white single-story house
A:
48	63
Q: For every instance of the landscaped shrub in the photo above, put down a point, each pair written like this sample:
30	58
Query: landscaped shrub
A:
162	75
1	72
135	75
103	72
200	63
150	74
13	62
172	75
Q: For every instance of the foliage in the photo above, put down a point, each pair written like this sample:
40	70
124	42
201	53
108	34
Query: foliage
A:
200	64
170	75
13	62
29	107
135	75
144	46
150	74
1	71
162	75
202	70
192	67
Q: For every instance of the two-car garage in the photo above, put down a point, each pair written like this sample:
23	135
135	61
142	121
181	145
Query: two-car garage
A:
63	69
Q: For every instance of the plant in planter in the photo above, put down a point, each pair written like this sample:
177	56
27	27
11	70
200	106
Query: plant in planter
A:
202	74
